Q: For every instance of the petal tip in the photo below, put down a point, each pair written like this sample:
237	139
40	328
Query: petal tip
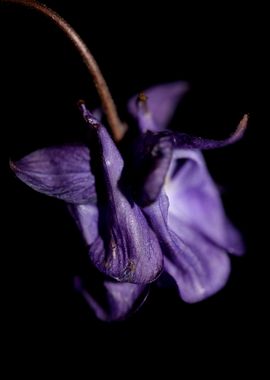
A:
87	115
241	128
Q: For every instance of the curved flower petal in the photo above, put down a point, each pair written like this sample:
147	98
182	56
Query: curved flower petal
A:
156	113
126	248
202	270
195	201
114	300
198	267
151	160
63	172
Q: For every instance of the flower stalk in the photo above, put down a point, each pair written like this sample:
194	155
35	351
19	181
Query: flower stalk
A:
114	122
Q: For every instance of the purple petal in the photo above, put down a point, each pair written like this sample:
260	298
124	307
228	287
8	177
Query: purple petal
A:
151	162
198	267
195	201
115	300
156	112
125	248
62	172
86	218
202	270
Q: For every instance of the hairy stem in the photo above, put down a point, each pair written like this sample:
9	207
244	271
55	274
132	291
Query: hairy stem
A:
117	127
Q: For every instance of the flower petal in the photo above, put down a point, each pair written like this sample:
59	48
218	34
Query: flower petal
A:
114	300
110	300
202	270
151	160
62	172
126	248
195	201
86	219
161	103
198	267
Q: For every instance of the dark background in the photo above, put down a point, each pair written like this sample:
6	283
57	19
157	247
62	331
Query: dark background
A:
222	53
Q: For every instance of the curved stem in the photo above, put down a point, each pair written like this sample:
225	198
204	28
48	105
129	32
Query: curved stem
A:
117	127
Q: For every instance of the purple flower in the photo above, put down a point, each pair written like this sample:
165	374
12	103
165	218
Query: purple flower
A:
160	211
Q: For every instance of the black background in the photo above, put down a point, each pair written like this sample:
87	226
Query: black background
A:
222	53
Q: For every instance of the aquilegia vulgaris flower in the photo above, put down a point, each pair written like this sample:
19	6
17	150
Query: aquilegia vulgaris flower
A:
158	211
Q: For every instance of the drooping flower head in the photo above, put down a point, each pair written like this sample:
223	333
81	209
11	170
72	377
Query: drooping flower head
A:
172	218
165	215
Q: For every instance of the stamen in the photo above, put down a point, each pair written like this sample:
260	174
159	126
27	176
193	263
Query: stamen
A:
142	102
142	97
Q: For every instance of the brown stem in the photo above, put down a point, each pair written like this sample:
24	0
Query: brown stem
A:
117	127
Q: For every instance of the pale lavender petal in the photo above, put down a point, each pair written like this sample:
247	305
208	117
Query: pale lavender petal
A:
145	117
157	110
86	219
195	201
63	172
198	267
126	247
202	275
115	300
